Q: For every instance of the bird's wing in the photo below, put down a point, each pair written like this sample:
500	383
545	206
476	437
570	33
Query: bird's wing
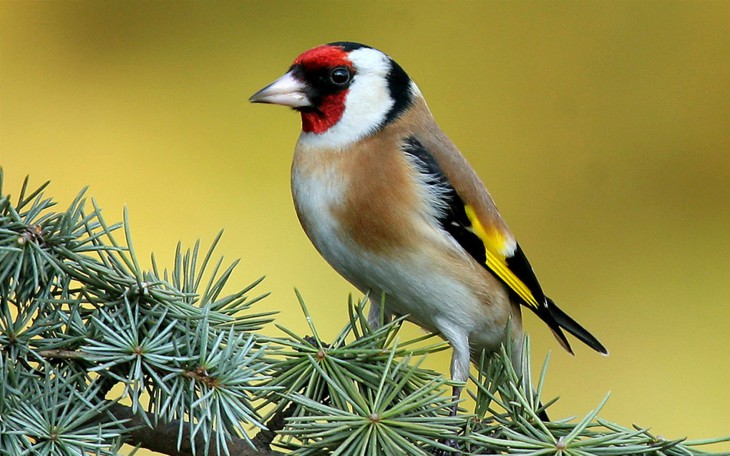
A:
470	216
473	221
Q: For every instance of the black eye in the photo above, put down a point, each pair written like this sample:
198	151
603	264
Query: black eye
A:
340	76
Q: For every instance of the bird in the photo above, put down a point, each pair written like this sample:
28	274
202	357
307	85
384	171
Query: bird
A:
395	208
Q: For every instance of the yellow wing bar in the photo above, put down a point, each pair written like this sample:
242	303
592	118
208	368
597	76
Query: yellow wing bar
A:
494	243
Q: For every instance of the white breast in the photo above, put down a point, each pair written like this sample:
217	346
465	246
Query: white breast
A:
436	296
315	194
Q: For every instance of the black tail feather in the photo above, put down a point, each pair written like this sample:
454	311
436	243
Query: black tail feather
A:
573	327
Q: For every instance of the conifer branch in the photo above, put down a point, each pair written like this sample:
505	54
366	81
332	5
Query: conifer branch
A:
61	354
78	316
162	438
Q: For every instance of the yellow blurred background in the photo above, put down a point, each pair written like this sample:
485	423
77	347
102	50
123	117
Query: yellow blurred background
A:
601	128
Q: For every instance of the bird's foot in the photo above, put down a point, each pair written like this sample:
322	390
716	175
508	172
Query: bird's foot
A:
454	451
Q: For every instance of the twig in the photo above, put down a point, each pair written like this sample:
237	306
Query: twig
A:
163	438
61	354
275	424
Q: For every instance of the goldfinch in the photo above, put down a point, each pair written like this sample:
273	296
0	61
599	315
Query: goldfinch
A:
390	202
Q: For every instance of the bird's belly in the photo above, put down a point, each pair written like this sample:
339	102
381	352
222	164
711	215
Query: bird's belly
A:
454	297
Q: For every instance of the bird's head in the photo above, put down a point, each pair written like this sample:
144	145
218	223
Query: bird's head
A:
344	92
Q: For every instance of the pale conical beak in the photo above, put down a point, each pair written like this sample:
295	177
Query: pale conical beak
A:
285	91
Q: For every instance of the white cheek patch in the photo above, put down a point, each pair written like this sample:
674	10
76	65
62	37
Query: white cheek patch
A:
367	103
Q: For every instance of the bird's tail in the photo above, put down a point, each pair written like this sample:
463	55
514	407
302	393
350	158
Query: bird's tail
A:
564	321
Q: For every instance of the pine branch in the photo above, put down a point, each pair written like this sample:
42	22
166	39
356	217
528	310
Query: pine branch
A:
78	316
76	307
163	437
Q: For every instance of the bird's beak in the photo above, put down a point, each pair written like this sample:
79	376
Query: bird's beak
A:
286	91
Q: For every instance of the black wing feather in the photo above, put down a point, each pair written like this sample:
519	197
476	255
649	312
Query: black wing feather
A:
454	220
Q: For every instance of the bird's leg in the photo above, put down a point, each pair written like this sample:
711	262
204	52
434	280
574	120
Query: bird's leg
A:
456	393
378	314
460	360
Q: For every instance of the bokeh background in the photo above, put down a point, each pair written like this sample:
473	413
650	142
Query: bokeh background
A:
601	128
